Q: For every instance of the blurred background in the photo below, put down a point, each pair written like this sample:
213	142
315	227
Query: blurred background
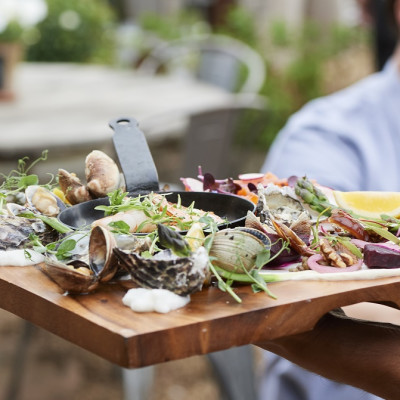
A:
210	82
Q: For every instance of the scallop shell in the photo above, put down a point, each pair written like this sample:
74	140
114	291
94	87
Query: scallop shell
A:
235	249
181	275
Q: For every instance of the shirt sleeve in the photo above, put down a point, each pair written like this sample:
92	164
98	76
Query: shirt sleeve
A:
310	148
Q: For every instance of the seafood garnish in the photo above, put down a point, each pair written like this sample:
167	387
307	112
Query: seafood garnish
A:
142	213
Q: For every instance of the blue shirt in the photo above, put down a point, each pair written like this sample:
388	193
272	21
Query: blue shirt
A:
349	140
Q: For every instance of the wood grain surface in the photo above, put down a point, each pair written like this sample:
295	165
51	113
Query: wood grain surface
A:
212	321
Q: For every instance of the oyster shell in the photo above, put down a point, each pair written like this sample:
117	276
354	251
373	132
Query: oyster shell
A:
181	275
280	203
235	249
15	231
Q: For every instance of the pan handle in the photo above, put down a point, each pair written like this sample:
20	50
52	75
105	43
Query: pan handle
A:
134	155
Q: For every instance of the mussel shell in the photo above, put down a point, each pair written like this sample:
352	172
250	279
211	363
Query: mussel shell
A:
180	275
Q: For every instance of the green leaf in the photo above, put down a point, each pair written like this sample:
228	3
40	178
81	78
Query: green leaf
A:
28	180
120	227
262	258
222	285
383	232
352	247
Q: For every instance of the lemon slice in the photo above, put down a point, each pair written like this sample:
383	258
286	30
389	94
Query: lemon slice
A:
369	204
195	236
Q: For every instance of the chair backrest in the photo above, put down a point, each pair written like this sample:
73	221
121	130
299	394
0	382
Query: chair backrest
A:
215	59
209	140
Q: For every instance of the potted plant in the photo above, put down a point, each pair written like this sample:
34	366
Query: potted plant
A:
16	17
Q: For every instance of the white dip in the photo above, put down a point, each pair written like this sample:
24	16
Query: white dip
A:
159	300
18	258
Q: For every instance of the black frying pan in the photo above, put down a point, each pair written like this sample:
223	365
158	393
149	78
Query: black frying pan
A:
141	177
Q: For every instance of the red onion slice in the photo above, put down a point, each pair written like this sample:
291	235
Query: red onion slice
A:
323	269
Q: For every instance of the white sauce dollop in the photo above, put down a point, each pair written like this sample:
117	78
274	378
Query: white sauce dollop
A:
158	300
18	258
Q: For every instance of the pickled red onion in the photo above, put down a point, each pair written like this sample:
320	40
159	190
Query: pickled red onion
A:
313	264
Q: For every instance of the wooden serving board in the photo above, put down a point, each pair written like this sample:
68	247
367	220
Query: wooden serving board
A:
212	321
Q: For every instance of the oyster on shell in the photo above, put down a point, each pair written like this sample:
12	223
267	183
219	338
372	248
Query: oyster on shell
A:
280	203
181	275
15	231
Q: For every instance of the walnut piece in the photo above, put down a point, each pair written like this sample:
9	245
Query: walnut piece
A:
337	256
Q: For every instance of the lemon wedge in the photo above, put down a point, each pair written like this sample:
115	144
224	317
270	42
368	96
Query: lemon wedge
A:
60	194
195	236
369	203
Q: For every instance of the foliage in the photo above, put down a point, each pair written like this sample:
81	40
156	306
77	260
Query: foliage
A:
179	25
239	24
12	33
76	31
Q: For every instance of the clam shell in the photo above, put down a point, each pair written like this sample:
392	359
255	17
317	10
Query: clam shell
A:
71	280
181	275
235	249
43	200
102	174
101	259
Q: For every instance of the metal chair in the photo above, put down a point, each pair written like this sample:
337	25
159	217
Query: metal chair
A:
217	59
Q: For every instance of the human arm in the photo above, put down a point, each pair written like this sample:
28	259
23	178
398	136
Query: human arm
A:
355	352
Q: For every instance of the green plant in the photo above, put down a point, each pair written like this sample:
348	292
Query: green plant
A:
12	32
174	26
239	23
75	31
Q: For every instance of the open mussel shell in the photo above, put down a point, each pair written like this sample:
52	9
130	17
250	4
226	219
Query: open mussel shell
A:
235	249
71	277
181	275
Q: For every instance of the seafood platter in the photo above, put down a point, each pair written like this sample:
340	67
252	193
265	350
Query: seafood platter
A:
141	275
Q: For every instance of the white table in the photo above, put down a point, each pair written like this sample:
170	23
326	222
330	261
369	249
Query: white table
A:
61	104
65	108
